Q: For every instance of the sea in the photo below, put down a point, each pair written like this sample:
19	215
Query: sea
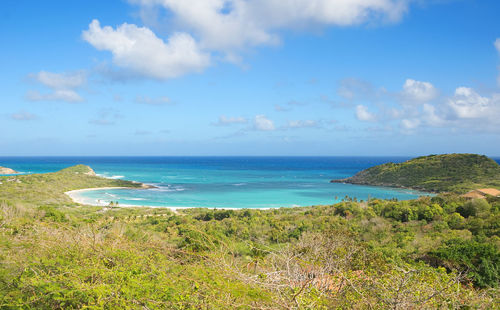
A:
223	182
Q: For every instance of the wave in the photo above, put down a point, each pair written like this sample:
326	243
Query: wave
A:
114	177
239	184
169	188
136	199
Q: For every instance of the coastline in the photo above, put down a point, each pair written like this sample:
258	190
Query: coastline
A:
416	189
75	197
78	199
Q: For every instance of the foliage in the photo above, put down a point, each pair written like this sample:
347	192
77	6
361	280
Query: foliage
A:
435	173
49	188
480	260
439	252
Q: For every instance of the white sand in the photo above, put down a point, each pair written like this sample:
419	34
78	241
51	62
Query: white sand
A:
75	196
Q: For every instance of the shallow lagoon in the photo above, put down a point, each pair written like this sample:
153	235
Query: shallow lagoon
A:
223	182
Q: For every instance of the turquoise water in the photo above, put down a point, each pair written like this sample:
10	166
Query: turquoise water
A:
223	182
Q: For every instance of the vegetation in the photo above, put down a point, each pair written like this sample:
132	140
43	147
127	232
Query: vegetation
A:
439	252
435	173
49	188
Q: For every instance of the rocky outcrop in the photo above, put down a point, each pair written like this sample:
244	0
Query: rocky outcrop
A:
4	170
91	172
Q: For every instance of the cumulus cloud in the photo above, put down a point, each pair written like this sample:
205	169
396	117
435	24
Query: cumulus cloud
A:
223	27
163	100
226	121
138	49
419	91
62	85
465	109
363	114
263	124
431	116
23	116
233	25
468	104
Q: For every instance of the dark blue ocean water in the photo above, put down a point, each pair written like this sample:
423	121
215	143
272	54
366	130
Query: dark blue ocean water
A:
224	182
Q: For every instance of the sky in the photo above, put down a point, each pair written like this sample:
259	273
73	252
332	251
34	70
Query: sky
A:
249	77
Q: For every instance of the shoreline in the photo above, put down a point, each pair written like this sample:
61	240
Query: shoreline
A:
73	195
414	189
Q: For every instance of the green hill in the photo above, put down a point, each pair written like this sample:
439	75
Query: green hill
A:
433	173
50	187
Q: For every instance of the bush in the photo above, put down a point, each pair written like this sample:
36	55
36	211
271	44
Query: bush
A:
52	214
481	261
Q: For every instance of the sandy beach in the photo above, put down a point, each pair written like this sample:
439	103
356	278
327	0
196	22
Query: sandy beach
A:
75	196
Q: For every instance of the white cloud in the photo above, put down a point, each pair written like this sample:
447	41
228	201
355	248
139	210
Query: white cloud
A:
363	114
23	116
66	95
410	124
63	86
227	27
152	101
468	104
419	91
431	117
60	80
225	121
302	124
231	26
140	50
262	123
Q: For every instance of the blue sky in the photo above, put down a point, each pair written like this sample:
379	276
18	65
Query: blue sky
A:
249	77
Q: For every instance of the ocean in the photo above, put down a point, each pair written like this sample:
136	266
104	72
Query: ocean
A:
223	182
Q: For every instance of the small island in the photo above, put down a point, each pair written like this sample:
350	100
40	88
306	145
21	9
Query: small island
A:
5	170
456	173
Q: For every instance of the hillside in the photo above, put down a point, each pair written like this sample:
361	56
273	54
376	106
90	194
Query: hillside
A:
49	188
427	253
434	173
